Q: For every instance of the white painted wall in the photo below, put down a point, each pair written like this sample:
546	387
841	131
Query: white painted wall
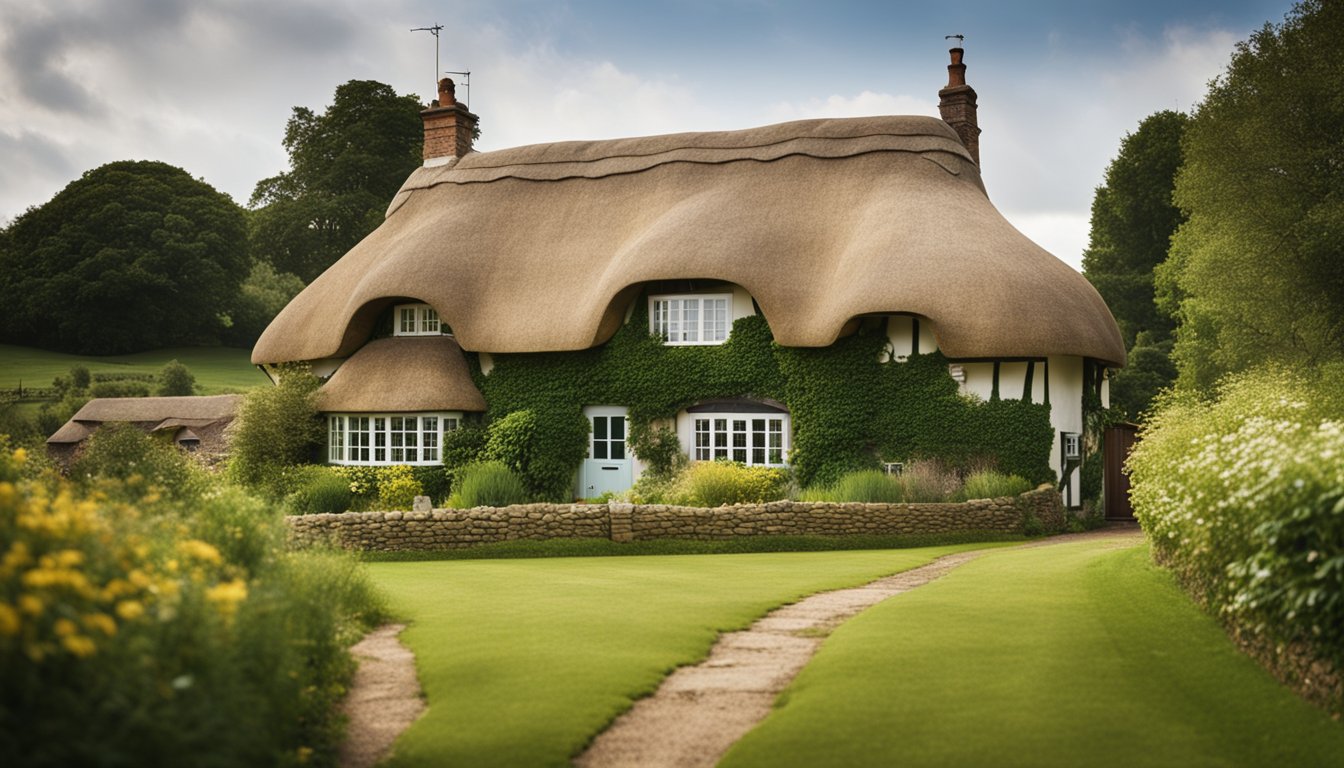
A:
901	335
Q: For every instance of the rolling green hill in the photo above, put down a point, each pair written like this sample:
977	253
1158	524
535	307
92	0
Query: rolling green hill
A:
217	369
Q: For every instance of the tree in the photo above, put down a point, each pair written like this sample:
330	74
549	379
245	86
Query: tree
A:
1133	219
346	164
131	256
263	294
175	379
277	429
1257	272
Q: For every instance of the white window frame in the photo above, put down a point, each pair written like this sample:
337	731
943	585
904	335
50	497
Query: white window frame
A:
754	439
387	439
416	320
681	318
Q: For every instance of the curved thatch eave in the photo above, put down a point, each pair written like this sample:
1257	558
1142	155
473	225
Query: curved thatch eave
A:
541	248
407	374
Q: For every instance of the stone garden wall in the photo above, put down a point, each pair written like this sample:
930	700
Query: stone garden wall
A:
455	528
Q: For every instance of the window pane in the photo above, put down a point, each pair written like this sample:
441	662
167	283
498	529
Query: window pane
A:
407	320
740	454
674	320
776	456
691	320
429	320
618	449
599	427
617	428
757	455
599	449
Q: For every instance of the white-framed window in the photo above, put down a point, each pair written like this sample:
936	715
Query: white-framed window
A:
388	438
691	319
415	320
755	439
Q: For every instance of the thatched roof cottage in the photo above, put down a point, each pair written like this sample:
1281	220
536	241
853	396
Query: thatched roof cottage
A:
195	424
814	224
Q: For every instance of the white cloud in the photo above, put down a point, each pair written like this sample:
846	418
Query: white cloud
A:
864	104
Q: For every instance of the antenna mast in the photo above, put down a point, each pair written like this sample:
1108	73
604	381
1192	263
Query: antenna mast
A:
434	30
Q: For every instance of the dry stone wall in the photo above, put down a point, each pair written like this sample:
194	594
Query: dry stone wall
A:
456	528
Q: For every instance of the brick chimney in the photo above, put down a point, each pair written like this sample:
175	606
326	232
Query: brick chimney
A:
448	126
956	103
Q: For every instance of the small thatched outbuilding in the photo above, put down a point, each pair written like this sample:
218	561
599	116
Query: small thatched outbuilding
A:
196	424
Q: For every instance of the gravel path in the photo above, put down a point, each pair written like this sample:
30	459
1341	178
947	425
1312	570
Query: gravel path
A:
384	698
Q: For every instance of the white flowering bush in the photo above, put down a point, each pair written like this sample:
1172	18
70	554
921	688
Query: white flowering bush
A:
1243	497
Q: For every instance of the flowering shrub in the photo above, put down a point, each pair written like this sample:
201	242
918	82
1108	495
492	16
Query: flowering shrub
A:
134	634
715	483
397	488
1244	498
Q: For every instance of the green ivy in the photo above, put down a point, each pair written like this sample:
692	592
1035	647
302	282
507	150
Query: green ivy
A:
848	409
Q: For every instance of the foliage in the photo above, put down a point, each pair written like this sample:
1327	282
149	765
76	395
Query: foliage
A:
318	491
118	388
461	447
397	488
988	484
130	256
434	482
716	483
345	166
176	380
867	486
1255	273
277	428
1148	371
488	484
260	298
138	461
1241	496
929	481
132	633
1133	218
847	408
80	378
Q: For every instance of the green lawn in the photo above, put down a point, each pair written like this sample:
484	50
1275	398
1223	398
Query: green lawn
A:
523	661
217	369
1077	654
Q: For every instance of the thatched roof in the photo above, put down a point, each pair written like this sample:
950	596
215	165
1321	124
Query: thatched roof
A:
401	375
542	247
162	412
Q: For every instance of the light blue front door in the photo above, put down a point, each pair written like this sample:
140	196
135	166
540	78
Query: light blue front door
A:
608	466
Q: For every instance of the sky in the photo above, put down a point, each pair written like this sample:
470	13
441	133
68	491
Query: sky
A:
208	86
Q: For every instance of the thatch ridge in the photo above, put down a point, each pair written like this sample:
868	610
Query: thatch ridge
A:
194	410
529	249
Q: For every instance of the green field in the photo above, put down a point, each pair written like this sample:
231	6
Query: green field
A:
1077	654
218	370
523	661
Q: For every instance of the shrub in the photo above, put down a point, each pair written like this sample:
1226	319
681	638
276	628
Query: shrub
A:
277	427
1241	497
659	449
988	484
867	486
319	490
397	488
175	379
434	482
715	483
119	389
929	481
140	462
461	447
132	633
80	377
488	484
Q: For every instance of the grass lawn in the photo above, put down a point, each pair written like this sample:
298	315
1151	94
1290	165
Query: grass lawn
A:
524	661
1077	654
217	369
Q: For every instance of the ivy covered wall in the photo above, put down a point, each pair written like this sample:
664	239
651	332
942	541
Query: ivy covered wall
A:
847	408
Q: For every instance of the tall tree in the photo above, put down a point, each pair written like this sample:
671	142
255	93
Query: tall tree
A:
345	166
1133	219
131	256
1257	272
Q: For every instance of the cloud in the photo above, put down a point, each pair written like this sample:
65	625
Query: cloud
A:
864	104
30	159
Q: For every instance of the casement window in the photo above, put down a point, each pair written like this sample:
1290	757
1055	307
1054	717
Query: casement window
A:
385	438
415	320
691	319
755	439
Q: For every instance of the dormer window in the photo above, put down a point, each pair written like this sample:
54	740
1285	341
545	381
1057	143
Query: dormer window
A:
690	319
416	320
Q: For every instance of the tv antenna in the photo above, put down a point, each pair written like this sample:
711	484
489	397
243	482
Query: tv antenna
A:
959	38
434	30
466	83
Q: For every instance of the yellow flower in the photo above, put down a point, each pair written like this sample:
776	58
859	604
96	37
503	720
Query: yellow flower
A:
64	628
9	620
130	610
78	645
69	558
304	754
199	550
30	604
101	622
227	595
20	455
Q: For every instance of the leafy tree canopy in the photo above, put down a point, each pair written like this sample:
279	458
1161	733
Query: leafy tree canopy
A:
1257	273
1133	219
346	164
131	256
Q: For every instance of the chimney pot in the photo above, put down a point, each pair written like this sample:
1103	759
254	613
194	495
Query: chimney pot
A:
447	92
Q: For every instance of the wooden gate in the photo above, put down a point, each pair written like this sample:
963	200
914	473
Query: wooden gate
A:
1117	442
